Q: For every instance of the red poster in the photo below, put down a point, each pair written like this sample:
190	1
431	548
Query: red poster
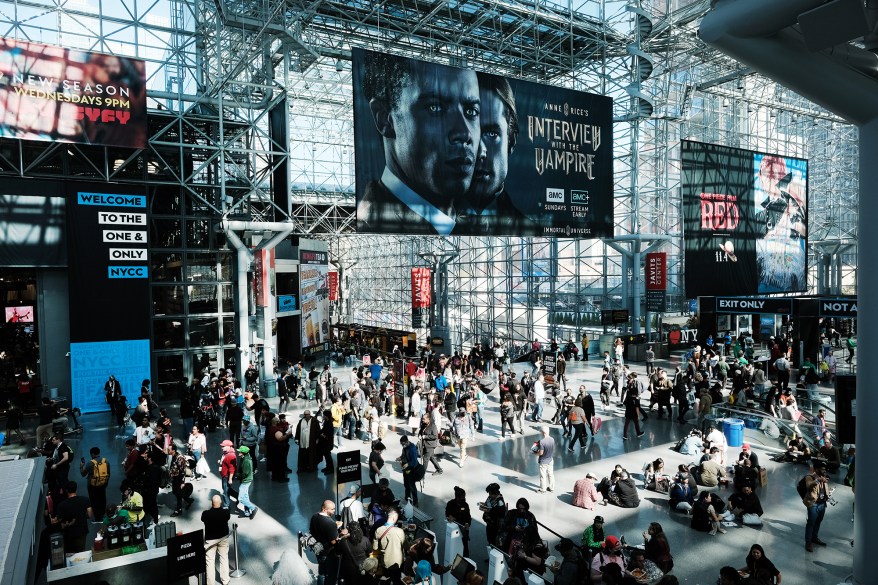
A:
420	297
333	285
657	271
263	262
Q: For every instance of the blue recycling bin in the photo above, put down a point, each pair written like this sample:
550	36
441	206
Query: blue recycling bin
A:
733	429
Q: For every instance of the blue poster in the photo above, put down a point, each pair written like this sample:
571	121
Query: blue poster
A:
91	364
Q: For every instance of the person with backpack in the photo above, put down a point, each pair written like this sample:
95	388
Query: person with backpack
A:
97	470
412	470
815	493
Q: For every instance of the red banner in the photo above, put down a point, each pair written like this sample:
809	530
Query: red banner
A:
263	261
657	271
333	285
420	297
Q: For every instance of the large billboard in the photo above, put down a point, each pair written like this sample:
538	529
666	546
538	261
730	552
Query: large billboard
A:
442	150
746	218
314	295
70	95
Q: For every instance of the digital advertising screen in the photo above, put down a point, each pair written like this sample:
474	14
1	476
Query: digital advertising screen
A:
70	95
23	314
745	221
448	151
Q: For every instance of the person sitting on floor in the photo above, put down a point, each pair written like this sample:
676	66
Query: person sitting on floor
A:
747	453
746	507
745	474
710	473
830	453
705	517
682	496
798	451
585	495
624	493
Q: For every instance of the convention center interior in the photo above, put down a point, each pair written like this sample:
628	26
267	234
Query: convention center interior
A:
436	292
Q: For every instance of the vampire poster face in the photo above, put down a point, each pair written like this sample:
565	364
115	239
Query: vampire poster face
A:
745	221
442	150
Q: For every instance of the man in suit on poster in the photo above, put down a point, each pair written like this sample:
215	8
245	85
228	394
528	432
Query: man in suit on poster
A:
487	207
428	118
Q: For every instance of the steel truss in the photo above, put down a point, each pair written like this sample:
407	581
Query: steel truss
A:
217	68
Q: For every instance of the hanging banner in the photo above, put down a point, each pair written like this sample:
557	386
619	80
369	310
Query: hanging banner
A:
656	268
333	285
499	156
745	221
263	263
420	297
109	296
69	95
314	298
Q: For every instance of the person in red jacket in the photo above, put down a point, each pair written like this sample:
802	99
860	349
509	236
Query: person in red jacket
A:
228	464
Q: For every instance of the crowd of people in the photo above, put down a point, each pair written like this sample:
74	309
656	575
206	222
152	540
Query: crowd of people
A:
445	399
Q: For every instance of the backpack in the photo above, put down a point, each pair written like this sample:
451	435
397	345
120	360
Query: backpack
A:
346	515
100	474
802	487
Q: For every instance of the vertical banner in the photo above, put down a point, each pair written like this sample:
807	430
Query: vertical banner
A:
333	285
314	299
656	281
420	297
550	359
263	262
109	292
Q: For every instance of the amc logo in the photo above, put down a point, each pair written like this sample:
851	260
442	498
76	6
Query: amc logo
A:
579	197
554	195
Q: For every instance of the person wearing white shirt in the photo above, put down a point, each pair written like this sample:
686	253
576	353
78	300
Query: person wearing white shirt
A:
353	505
539	396
144	433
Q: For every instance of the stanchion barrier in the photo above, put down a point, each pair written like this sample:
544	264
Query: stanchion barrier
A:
238	572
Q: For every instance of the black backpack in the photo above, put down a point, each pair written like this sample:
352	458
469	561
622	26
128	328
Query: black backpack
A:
802	487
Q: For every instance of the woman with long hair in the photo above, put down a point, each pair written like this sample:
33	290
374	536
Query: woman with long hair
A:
759	567
656	546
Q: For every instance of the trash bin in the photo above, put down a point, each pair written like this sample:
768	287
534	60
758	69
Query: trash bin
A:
733	429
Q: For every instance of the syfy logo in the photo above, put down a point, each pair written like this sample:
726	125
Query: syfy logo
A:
554	195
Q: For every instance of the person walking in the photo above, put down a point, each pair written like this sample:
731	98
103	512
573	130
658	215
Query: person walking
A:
216	540
576	419
463	432
632	404
178	479
97	470
246	469
228	464
507	415
545	452
430	441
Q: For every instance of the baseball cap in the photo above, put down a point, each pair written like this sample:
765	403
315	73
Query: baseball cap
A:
599	519
354	489
246	418
745	446
227	443
243	449
612	543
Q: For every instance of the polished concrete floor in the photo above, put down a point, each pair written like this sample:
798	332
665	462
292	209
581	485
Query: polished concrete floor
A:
286	508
